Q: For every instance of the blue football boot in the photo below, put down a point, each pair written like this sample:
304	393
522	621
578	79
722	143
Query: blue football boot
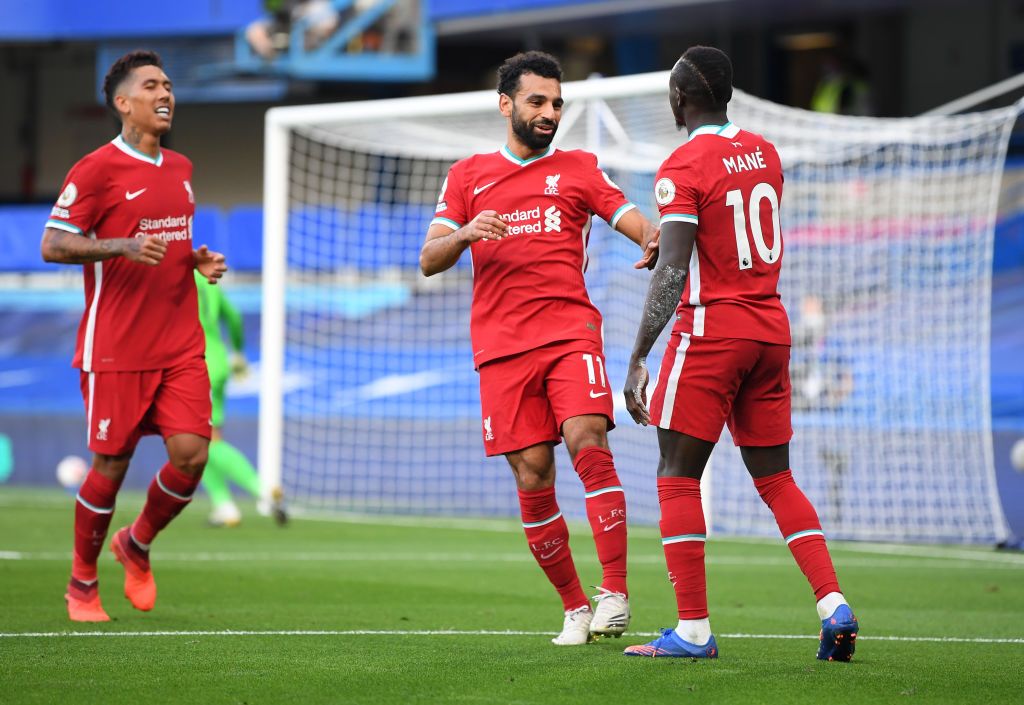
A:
838	637
670	644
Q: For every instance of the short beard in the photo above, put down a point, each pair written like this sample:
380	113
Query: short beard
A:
527	136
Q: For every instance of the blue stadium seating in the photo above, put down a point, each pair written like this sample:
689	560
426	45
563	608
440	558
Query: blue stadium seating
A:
375	236
244	242
21	229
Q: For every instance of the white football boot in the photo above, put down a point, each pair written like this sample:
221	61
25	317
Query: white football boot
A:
226	514
611	615
575	628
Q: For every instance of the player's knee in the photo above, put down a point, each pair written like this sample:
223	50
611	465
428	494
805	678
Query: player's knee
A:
113	467
191	462
533	477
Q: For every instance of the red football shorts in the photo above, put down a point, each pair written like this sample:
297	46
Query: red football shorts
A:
121	407
526	398
705	383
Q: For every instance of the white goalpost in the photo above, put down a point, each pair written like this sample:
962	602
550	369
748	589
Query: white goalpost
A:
369	401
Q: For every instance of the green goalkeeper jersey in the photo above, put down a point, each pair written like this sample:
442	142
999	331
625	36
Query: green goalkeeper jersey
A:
214	307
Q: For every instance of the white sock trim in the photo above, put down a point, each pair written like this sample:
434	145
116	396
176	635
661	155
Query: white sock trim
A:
143	546
695	631
829	604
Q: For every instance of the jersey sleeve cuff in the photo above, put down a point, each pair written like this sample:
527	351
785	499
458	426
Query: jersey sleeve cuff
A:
678	218
61	225
446	221
623	209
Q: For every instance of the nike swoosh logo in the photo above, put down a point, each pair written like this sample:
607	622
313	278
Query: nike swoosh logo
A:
481	188
609	528
545	557
133	195
594	395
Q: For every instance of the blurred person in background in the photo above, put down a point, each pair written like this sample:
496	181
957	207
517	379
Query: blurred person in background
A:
270	36
225	462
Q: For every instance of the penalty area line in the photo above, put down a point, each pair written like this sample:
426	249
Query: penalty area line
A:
470	632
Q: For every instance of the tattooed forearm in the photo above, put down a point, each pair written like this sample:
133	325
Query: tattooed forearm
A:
666	288
68	248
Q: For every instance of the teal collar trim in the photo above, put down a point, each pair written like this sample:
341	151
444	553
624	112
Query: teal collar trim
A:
136	154
508	154
727	130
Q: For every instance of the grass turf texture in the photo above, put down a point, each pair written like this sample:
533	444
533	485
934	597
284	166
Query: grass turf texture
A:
382	575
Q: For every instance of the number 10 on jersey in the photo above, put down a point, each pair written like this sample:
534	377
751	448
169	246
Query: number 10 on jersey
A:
767	254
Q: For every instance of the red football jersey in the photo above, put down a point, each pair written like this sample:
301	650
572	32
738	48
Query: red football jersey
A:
528	288
729	183
137	317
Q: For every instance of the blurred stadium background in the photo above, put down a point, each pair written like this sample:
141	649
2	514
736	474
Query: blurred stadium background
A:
902	57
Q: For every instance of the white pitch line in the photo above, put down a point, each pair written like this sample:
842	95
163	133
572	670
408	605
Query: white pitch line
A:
349	557
474	632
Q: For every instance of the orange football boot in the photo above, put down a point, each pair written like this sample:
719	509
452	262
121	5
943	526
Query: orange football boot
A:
139	585
84	603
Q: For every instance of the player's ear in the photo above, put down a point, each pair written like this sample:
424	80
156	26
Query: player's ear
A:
122	104
505	105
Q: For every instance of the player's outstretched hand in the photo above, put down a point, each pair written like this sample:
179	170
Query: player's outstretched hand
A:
636	392
650	257
487	225
146	250
209	263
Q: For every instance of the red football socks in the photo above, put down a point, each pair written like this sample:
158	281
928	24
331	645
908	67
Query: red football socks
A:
169	492
606	510
799	525
682	536
548	537
94	508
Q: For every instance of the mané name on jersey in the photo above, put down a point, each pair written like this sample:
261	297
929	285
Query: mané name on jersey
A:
137	316
529	288
729	183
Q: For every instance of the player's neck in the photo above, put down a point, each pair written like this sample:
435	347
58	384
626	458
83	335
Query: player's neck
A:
698	120
521	151
144	142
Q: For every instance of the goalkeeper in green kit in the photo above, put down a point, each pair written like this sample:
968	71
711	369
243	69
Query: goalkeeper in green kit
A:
226	463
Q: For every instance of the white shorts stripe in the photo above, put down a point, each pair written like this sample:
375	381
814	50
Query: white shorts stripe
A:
672	383
88	415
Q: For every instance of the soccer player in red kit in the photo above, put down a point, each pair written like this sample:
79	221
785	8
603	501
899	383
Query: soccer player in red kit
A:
524	213
125	213
728	357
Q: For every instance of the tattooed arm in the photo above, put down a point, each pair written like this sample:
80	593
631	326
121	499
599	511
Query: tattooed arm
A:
667	283
65	247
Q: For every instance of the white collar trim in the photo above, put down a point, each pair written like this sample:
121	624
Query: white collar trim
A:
136	154
728	130
508	154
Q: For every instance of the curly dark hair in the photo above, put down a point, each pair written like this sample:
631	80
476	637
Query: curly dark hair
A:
704	74
122	68
535	62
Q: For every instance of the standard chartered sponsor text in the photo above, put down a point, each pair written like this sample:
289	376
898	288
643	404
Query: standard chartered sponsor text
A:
160	227
516	219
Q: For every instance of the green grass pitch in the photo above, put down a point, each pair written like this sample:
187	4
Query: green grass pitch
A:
398	611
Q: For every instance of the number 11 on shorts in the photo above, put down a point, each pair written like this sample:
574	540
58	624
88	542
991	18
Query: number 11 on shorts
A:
589	359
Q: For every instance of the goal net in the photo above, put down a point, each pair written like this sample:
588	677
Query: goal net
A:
369	400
